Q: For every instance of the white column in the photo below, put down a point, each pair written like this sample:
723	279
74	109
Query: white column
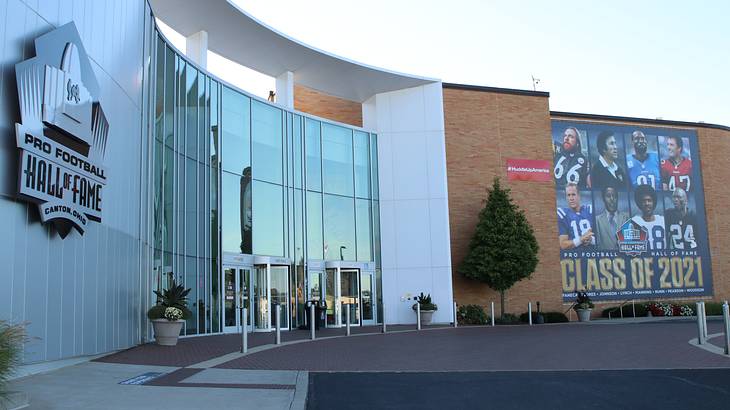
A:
285	89
414	212
196	48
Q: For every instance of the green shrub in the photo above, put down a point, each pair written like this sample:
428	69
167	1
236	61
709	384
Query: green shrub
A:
425	302
711	308
12	338
472	315
550	317
507	319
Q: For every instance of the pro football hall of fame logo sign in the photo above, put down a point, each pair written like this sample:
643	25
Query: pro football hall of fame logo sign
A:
63	132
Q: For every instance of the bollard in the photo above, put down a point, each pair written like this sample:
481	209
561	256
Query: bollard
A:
418	316
704	322
347	318
312	322
278	324
244	332
726	326
700	333
384	330
456	316
633	308
492	314
529	312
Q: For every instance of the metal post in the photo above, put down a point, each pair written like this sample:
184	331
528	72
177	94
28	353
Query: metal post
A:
456	316
278	324
726	326
529	312
621	310
700	333
244	332
385	329
347	318
633	308
704	320
312	322
418	316
492	314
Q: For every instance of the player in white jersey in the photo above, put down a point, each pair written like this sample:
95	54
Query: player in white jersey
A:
646	200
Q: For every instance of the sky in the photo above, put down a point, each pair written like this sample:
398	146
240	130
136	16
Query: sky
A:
650	59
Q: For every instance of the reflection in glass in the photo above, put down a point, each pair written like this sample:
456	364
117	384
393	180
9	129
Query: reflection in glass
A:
339	228
337	165
374	165
268	219
329	296
366	291
362	215
235	213
280	294
266	133
260	298
297	162
350	298
236	135
191	112
315	285
362	164
314	225
313	150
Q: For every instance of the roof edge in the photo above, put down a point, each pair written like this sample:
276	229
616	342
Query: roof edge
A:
499	90
638	120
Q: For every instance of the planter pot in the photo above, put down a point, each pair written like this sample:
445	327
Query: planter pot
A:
426	316
584	315
166	331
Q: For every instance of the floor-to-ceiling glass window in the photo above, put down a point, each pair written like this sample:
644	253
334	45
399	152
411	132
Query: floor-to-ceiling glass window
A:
234	175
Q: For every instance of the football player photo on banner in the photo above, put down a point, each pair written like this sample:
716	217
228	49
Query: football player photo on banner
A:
630	212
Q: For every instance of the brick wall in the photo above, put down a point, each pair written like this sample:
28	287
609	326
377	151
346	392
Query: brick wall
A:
484	127
326	106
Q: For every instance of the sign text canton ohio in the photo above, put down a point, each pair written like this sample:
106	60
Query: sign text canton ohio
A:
63	134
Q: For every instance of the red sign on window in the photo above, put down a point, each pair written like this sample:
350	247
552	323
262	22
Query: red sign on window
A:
529	170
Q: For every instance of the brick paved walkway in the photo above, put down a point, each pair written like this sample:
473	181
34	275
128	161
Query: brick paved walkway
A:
662	345
193	350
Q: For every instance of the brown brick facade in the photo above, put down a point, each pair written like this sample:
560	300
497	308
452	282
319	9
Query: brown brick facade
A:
326	106
485	127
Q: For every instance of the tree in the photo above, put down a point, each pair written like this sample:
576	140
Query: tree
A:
503	250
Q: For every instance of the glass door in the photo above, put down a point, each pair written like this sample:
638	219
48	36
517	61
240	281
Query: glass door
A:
260	299
330	299
280	295
350	295
367	297
236	285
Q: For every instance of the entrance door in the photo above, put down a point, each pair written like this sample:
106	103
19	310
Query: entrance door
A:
330	297
350	296
236	285
367	297
280	295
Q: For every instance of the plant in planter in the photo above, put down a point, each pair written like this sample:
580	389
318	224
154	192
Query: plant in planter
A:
427	308
168	314
583	306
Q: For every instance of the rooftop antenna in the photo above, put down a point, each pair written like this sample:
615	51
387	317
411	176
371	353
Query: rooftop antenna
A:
535	82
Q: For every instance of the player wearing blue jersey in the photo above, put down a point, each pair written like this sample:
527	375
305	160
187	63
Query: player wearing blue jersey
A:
575	223
643	166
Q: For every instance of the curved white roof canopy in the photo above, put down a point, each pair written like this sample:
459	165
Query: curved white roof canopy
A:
241	38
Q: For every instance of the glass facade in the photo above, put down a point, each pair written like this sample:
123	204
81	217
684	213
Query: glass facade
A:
234	177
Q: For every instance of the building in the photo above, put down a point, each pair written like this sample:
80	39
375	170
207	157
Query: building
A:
134	167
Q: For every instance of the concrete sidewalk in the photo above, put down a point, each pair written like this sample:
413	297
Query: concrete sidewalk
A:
94	385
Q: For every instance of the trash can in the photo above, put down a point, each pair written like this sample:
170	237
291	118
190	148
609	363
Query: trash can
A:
320	312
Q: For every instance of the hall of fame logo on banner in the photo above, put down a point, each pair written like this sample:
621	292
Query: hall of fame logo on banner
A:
63	132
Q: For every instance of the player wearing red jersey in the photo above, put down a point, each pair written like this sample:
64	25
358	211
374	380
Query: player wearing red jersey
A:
676	170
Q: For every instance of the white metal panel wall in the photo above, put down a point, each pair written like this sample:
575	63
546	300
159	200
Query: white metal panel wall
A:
79	295
414	211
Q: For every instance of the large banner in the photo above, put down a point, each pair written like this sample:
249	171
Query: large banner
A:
631	212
